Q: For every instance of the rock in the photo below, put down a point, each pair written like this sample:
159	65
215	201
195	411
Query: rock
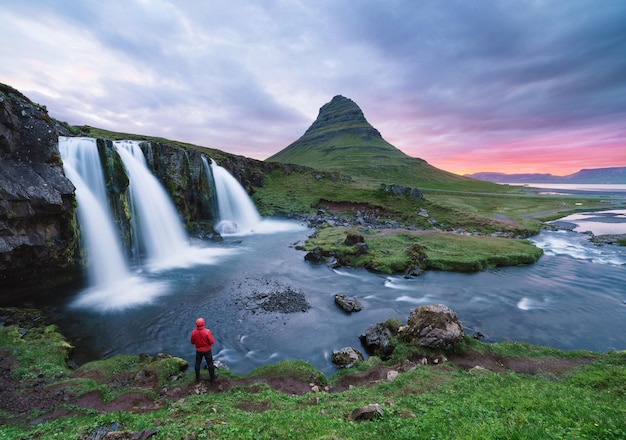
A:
38	238
362	249
391	375
315	256
332	262
144	434
347	303
398	190
376	339
433	326
346	356
367	412
353	238
478	370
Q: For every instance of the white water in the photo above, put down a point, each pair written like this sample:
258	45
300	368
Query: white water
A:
81	164
157	230
112	286
237	214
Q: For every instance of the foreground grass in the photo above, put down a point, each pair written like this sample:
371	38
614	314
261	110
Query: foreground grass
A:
435	402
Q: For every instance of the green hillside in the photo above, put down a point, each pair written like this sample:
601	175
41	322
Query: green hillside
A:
341	140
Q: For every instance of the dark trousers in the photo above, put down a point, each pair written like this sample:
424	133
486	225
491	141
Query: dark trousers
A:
208	356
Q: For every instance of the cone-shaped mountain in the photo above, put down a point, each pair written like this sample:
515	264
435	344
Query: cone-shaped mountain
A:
342	140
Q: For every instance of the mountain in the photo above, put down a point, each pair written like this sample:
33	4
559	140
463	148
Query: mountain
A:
614	175
342	140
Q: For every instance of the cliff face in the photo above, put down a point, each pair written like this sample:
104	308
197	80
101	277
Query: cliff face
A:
38	238
39	233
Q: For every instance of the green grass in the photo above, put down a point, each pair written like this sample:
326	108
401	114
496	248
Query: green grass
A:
389	253
433	402
300	370
39	351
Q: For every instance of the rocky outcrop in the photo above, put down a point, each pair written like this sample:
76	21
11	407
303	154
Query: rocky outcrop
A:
347	303
399	190
346	357
377	341
433	326
38	236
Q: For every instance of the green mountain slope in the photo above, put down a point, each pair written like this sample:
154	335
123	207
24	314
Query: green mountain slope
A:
342	140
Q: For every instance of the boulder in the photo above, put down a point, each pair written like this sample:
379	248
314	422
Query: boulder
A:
376	341
353	238
346	356
347	303
367	412
433	326
398	190
315	256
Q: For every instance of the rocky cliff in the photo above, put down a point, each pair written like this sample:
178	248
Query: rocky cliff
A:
38	238
39	233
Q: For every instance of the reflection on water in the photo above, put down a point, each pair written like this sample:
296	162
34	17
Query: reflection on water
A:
599	223
572	298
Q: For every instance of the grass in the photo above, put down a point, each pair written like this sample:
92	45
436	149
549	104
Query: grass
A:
390	253
433	402
39	351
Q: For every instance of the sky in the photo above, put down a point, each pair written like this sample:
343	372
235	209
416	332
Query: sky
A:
513	86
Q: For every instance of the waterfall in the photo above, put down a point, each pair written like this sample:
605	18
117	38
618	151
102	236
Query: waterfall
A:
81	163
237	213
112	286
157	229
154	221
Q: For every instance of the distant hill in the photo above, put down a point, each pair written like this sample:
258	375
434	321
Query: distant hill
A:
613	175
342	140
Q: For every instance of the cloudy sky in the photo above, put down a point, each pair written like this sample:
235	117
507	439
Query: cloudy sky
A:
489	85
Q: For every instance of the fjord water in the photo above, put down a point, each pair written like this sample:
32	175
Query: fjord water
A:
573	298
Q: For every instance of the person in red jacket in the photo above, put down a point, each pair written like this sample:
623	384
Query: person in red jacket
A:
203	339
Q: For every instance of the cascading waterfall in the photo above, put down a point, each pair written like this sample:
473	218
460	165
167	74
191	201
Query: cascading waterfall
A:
237	213
112	286
157	229
81	163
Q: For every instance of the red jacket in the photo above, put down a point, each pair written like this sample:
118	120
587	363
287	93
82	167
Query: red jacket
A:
202	337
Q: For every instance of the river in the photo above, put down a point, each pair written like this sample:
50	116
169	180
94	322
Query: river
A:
573	298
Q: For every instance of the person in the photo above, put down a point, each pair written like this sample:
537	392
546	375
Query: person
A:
203	339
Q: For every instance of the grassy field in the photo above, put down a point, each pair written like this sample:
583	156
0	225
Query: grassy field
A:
480	221
431	402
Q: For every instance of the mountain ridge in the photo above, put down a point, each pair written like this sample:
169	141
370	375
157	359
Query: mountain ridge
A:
609	175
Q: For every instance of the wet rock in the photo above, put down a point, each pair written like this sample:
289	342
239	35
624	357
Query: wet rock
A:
315	256
347	303
346	357
376	340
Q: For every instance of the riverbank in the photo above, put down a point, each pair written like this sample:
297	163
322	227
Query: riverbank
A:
491	391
